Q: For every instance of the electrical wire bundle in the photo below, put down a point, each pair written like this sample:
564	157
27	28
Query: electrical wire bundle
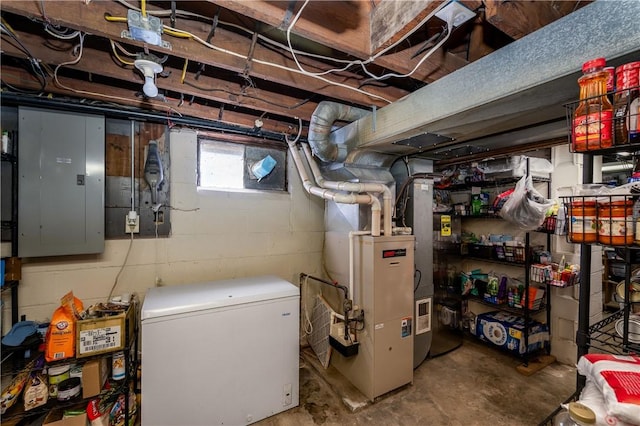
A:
35	67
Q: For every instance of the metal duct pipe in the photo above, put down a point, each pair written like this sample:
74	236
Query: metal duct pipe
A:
376	188
522	84
323	143
338	197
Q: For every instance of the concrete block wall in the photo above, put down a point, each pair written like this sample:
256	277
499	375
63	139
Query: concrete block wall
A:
215	235
564	302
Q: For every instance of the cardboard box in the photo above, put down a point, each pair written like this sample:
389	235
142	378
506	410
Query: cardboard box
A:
103	335
94	375
507	331
54	418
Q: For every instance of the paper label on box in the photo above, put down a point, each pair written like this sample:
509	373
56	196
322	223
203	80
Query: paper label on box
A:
100	339
516	334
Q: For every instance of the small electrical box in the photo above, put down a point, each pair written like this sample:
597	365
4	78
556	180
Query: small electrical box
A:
147	29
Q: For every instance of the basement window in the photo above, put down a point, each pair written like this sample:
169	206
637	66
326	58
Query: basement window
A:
228	166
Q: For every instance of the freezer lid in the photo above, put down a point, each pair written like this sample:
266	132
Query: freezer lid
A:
183	298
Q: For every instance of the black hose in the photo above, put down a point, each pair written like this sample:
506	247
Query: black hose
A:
341	287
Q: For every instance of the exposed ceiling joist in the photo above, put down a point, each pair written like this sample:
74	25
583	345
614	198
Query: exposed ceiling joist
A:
519	18
102	93
391	20
343	26
400	62
248	72
213	89
90	18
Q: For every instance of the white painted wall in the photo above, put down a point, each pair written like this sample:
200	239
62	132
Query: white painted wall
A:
564	301
215	235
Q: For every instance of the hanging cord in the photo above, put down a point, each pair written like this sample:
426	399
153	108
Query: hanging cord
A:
308	325
115	282
286	137
158	280
417	272
36	67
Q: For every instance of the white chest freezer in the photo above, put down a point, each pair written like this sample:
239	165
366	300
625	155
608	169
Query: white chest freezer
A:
219	353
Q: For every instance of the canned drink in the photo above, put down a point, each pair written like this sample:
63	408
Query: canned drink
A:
118	366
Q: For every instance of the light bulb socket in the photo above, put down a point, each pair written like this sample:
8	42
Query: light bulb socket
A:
149	69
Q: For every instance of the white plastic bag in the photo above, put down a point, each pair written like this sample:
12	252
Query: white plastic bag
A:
526	207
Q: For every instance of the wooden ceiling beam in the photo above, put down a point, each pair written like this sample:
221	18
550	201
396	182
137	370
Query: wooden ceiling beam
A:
342	25
477	43
401	62
21	78
90	18
519	18
224	91
392	20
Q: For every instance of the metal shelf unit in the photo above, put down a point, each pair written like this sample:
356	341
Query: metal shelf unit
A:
601	336
525	312
12	225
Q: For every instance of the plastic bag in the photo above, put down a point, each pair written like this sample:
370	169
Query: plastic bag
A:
526	207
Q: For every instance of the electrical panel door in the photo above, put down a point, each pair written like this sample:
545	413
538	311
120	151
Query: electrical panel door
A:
61	183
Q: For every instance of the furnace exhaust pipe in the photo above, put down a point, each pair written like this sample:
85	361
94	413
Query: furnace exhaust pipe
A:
377	188
333	195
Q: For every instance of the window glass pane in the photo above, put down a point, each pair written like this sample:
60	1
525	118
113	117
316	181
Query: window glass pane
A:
228	166
221	165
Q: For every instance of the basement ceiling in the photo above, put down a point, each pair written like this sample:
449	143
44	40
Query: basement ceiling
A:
256	64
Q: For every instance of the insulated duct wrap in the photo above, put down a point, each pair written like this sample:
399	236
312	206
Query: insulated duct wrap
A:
323	143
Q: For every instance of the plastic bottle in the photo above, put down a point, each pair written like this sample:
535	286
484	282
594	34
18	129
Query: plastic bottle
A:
561	223
575	415
592	119
626	103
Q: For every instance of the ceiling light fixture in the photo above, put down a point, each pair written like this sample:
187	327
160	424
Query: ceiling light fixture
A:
149	69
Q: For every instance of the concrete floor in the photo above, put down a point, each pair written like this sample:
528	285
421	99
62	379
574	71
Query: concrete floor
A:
473	385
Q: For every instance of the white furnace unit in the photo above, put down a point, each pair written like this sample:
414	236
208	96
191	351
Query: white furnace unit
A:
384	290
222	352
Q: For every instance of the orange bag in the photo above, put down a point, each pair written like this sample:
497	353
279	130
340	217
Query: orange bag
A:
61	334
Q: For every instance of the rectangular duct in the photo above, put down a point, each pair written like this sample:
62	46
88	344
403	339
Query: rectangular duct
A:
522	84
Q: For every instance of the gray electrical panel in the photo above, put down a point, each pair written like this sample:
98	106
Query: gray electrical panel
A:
61	184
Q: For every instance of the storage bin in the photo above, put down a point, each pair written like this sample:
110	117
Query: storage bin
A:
516	254
107	334
480	250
